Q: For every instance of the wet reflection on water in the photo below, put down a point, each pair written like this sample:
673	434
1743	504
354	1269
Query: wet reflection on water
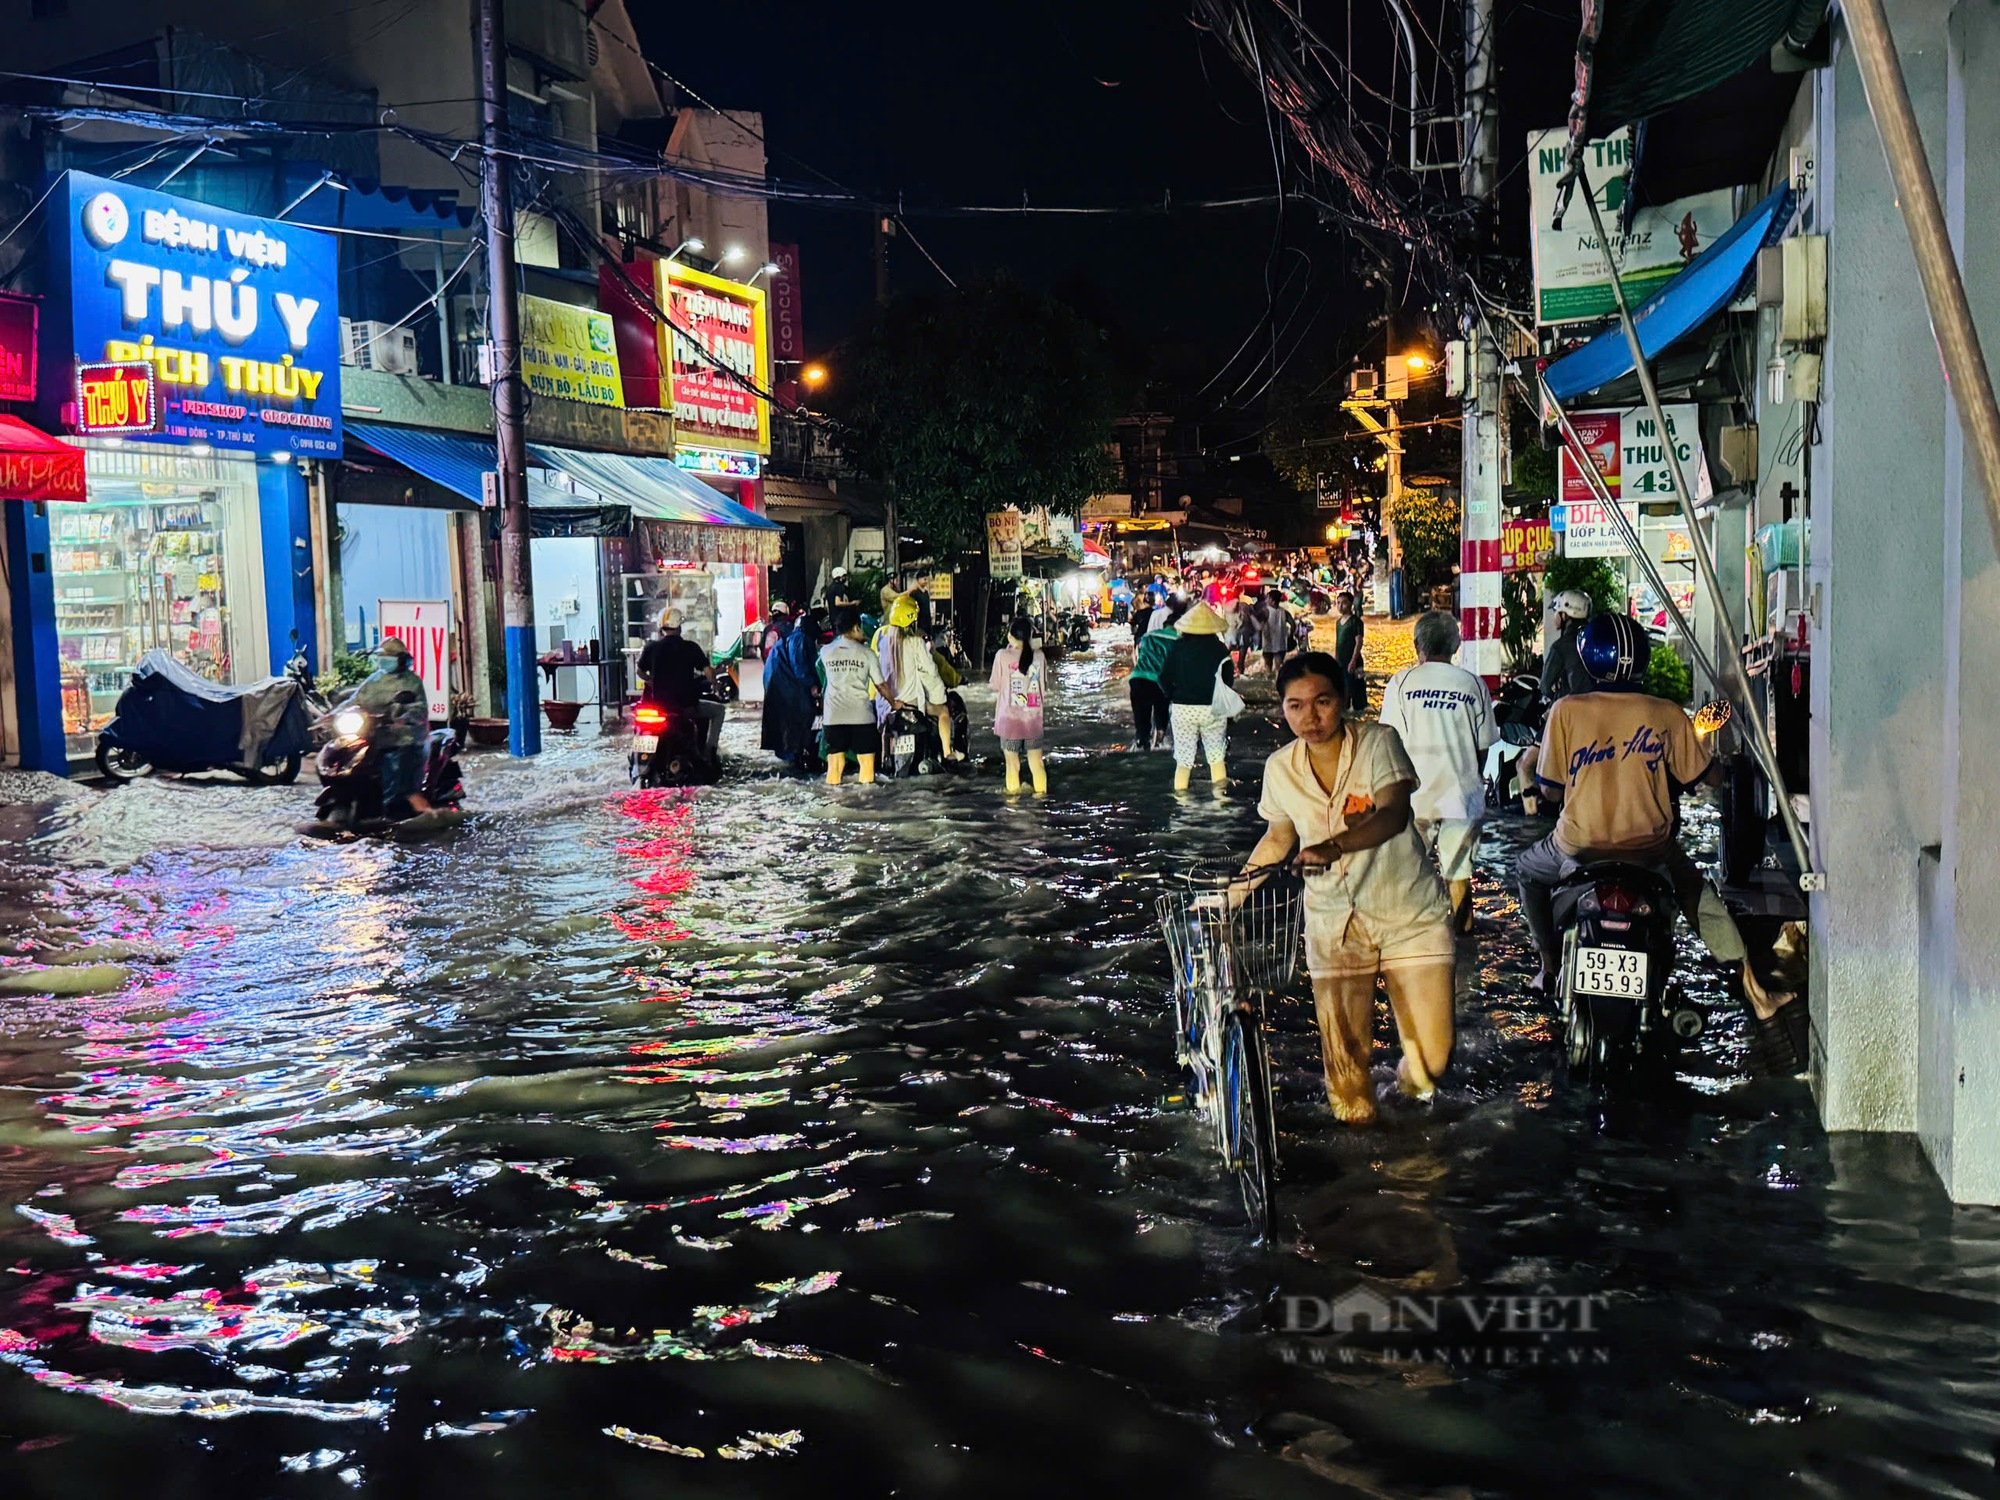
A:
786	1140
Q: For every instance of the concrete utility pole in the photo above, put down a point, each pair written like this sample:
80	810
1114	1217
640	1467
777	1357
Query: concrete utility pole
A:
1485	396
517	584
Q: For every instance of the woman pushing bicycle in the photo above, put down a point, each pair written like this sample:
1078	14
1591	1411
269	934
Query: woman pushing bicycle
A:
1337	800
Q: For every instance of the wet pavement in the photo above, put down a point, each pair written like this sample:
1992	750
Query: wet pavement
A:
766	1140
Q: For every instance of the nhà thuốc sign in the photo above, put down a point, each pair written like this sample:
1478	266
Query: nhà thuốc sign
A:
1633	456
1571	282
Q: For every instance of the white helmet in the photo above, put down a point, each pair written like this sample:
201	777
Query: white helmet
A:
1571	604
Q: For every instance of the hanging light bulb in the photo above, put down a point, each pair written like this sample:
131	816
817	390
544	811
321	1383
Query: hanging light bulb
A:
1774	378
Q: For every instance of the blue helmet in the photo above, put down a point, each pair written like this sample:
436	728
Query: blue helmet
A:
1614	650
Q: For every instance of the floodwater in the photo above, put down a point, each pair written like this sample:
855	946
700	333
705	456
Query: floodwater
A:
766	1140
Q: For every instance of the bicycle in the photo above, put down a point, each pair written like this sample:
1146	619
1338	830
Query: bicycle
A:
1234	940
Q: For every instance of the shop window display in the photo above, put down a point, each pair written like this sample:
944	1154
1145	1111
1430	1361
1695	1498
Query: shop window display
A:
146	567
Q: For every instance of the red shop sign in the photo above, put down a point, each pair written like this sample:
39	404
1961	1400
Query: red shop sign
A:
716	350
117	398
19	319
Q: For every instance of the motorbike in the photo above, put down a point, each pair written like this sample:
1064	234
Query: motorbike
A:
727	659
1519	715
317	706
669	748
1074	628
170	719
1613	990
910	743
350	774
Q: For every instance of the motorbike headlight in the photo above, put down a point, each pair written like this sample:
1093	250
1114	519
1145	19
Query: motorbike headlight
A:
349	722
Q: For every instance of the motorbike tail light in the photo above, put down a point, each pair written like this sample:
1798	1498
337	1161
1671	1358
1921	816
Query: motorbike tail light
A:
648	717
1621	902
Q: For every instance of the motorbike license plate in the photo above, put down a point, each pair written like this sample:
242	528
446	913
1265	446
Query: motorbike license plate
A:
1611	971
903	744
645	744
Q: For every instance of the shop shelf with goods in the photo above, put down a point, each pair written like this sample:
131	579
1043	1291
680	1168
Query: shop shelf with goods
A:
134	575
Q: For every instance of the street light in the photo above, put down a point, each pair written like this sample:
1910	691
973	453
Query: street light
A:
814	375
693	242
1415	363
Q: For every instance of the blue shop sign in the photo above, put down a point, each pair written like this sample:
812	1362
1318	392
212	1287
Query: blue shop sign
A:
238	316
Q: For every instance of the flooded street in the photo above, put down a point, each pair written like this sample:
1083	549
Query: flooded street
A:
773	1140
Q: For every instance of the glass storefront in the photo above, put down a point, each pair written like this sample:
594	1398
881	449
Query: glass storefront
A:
165	555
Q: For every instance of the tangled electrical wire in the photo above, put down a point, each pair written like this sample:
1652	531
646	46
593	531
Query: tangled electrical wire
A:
1345	130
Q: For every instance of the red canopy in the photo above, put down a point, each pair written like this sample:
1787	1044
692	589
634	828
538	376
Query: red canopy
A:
35	466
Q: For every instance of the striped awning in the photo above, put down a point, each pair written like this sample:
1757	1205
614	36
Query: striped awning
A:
684	518
454	462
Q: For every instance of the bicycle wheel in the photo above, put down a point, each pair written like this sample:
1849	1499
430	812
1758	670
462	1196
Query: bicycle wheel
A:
1246	1111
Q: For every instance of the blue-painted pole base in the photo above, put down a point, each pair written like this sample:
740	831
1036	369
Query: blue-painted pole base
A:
524	693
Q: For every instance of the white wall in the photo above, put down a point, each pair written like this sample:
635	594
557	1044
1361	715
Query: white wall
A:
1877	571
1958	1108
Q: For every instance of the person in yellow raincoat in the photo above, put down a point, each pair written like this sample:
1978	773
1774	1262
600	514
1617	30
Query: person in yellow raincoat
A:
911	672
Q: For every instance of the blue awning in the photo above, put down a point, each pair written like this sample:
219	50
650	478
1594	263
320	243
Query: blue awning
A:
1704	288
378	207
457	463
657	489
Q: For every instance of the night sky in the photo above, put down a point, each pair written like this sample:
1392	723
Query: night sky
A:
954	105
1113	102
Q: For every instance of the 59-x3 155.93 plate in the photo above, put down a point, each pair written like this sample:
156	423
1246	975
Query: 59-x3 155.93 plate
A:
1612	971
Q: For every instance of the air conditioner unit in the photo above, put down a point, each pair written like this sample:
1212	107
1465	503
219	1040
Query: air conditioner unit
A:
369	345
1363	384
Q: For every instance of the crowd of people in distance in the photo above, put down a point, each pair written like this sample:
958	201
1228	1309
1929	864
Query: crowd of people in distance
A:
1383	815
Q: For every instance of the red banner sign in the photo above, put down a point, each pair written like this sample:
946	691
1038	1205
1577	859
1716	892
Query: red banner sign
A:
1599	431
19	319
117	398
718	356
35	466
1525	545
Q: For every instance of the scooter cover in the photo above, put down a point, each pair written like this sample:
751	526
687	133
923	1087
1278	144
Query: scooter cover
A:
174	718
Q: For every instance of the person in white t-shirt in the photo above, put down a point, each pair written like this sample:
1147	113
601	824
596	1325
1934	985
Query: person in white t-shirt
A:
1445	718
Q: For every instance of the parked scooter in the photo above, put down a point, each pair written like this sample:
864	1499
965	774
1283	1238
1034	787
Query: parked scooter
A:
317	706
910	743
350	774
669	748
1519	715
727	660
1614	990
170	719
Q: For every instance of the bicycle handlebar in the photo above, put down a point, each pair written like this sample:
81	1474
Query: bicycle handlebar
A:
1219	877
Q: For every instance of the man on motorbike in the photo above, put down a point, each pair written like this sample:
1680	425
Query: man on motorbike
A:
394	696
675	670
1562	669
1613	757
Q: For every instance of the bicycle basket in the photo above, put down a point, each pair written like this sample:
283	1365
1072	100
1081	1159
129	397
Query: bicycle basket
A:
1248	941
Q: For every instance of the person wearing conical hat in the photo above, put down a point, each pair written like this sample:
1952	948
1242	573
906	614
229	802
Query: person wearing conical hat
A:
1195	664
